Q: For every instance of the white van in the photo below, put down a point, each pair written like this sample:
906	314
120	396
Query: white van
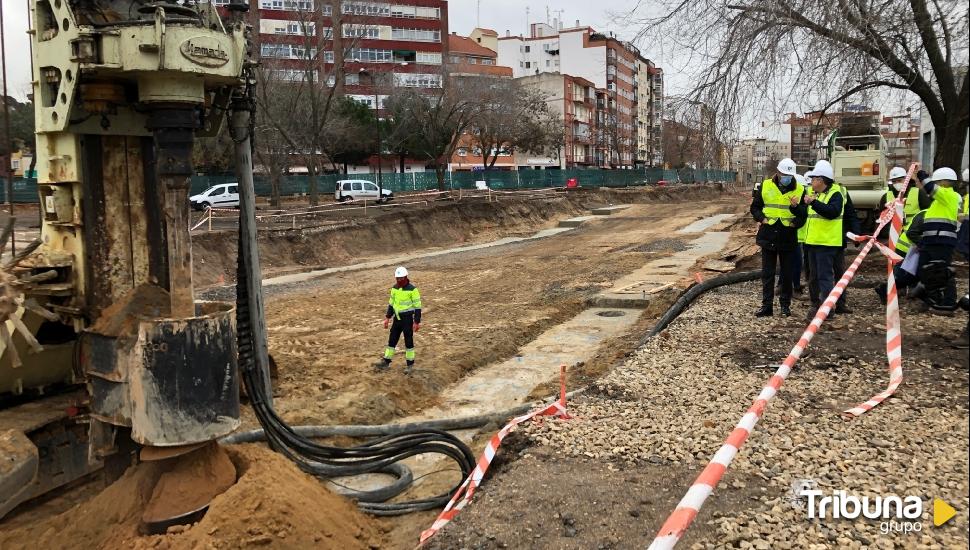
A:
351	190
218	196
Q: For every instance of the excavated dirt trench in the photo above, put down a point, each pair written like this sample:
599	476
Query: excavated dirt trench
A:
481	308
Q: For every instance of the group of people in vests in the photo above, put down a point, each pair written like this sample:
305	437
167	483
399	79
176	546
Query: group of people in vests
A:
803	221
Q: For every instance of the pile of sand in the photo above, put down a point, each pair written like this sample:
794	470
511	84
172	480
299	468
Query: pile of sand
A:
273	504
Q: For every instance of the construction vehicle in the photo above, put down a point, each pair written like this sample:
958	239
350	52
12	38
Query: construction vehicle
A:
106	358
858	156
103	348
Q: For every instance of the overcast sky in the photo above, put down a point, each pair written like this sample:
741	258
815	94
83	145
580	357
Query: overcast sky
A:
463	15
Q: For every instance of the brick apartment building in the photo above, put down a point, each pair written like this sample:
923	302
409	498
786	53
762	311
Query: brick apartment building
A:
616	136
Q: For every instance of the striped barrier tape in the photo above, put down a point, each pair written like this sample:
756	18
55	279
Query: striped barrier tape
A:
464	493
689	506
894	336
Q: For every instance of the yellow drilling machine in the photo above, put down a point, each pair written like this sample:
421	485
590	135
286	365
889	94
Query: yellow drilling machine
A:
106	358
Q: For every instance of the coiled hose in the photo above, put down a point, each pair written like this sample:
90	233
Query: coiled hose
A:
381	455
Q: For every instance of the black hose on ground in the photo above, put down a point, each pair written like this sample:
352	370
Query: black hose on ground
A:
381	455
692	293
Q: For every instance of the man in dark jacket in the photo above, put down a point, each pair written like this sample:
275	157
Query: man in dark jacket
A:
776	204
824	237
850	222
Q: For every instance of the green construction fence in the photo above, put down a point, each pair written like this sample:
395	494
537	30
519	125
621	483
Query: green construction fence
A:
25	190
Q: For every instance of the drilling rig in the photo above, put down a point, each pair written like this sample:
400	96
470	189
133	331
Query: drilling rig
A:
104	352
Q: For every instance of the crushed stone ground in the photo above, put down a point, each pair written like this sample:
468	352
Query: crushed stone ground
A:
608	478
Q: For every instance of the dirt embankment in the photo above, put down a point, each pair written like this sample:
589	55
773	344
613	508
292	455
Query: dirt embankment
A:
273	504
437	225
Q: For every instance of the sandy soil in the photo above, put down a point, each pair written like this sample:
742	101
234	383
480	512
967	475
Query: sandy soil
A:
480	307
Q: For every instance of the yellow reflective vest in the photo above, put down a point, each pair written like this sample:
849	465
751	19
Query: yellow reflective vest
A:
404	300
777	204
823	231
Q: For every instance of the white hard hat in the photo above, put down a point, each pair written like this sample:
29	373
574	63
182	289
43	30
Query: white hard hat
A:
801	179
941	174
822	169
897	172
400	272
787	166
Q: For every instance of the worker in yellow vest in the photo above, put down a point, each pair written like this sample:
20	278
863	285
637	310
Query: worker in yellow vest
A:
824	235
963	235
800	260
403	315
916	198
776	206
939	239
909	238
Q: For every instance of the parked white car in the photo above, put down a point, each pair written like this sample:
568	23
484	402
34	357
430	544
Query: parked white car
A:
218	196
350	190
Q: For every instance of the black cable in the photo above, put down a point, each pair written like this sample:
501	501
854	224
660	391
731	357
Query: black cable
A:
380	455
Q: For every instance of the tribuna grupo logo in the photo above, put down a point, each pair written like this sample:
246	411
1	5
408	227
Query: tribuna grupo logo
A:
895	513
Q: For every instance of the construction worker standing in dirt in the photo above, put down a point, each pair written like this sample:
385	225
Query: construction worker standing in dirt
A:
404	317
776	206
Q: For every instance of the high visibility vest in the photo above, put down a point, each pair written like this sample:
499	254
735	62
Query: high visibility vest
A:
940	222
889	196
912	202
776	208
966	206
903	244
803	230
404	300
823	231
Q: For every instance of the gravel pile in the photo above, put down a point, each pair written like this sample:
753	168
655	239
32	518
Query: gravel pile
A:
674	402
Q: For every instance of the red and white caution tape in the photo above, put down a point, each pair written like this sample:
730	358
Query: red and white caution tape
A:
894	335
689	506
464	493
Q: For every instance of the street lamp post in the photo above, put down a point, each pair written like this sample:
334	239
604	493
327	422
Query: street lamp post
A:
377	118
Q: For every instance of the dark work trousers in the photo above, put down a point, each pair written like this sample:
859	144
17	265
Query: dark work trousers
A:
405	326
947	291
806	267
821	263
838	267
772	262
796	270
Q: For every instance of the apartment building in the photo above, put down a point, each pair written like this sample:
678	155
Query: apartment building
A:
611	65
358	47
756	158
808	132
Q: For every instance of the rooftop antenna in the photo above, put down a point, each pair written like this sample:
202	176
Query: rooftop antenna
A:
478	13
527	21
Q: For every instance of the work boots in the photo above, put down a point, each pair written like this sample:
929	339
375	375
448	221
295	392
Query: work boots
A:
408	369
764	311
786	311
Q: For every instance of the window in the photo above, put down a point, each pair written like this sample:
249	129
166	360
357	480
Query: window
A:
486	61
472	60
352	79
290	5
462	151
528	64
417	35
361	31
346	186
366	8
528	49
286	51
370	187
370	55
429	58
428	13
417	80
357	186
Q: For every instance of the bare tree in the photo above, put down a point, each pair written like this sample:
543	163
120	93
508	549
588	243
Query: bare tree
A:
757	55
432	121
512	117
299	83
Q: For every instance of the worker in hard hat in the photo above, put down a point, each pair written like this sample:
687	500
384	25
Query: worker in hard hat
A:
776	206
404	317
916	198
823	238
963	235
939	239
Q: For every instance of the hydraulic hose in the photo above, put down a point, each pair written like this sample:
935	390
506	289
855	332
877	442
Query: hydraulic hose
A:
685	300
